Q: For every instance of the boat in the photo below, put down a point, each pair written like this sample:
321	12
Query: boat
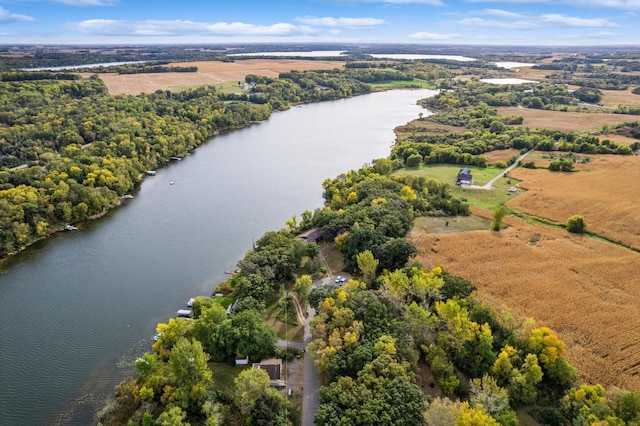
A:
171	183
127	196
70	228
190	302
157	337
151	172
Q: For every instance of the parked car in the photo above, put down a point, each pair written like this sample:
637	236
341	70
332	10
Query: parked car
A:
340	280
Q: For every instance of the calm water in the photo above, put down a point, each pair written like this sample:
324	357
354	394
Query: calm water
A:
76	311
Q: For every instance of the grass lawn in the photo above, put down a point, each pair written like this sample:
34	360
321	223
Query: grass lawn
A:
476	197
444	225
225	301
284	331
224	375
333	257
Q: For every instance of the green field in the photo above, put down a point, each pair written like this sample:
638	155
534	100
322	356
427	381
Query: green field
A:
396	84
477	197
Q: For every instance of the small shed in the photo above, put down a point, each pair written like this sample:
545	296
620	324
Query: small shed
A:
242	361
464	177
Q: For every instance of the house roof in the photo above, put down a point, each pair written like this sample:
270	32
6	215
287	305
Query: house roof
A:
312	235
272	366
464	173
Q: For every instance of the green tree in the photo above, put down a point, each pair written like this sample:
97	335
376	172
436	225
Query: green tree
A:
576	224
414	160
368	265
249	386
189	366
302	288
498	218
628	406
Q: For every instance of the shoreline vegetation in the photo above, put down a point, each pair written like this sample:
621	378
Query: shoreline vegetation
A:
399	333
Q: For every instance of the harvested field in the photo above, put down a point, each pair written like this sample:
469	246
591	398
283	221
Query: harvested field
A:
565	121
209	72
501	154
586	290
613	98
603	191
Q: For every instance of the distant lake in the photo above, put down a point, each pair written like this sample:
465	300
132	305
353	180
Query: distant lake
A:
510	65
78	67
418	56
311	54
507	81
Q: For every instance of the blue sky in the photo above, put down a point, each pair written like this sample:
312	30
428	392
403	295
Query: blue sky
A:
497	22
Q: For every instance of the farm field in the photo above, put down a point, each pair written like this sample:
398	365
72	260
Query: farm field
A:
209	73
599	191
565	121
586	290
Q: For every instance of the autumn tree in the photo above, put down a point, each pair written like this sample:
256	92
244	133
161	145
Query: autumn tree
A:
368	266
302	288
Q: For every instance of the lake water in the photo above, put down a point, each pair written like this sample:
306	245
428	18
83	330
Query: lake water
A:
311	54
77	310
413	56
79	67
511	65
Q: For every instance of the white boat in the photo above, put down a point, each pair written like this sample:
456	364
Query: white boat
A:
190	302
70	228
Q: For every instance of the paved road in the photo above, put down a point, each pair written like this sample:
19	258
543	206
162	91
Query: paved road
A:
311	383
311	386
489	185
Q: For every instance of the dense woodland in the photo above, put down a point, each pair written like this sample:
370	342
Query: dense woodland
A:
399	343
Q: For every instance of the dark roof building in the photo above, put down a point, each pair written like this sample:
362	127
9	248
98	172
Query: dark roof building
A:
311	236
272	366
464	177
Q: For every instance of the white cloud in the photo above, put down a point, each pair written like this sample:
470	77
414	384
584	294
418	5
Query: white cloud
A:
423	35
598	4
503	13
353	23
6	17
85	3
511	25
179	28
572	21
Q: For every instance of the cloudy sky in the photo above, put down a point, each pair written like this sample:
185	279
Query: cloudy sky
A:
511	22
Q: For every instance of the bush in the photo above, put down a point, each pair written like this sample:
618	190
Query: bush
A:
500	164
576	224
414	160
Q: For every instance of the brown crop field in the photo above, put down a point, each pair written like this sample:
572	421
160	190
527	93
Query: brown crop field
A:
586	290
603	191
565	121
209	73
